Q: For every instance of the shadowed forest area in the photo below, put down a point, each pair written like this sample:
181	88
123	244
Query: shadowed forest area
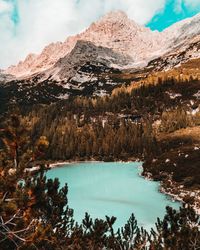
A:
35	214
152	123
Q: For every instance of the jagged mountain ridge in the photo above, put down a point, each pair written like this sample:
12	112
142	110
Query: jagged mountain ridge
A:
86	71
90	69
117	32
178	56
114	31
185	43
83	54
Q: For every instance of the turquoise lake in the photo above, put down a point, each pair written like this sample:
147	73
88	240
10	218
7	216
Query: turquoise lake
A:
113	189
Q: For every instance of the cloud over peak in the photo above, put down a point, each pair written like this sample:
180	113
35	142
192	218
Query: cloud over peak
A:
28	25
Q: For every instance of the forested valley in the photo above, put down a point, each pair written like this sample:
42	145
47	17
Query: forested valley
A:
145	123
35	213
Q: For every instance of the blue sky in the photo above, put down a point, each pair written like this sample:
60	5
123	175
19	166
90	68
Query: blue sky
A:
172	14
27	26
15	14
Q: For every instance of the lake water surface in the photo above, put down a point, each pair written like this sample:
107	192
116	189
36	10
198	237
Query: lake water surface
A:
113	189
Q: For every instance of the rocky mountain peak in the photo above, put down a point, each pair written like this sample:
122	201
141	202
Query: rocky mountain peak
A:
116	23
114	16
118	32
114	30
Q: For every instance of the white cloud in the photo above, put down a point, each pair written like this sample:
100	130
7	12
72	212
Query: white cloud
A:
192	3
45	21
5	7
178	6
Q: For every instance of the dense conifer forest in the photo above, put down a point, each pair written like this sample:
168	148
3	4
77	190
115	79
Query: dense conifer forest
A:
117	91
145	122
128	125
34	212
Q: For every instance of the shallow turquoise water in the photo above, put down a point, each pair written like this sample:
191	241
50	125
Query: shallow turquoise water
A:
113	189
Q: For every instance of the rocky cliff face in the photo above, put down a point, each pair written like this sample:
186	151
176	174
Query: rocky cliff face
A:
88	70
183	31
115	30
118	41
86	55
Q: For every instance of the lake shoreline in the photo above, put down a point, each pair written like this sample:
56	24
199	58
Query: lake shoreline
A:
173	190
147	177
177	192
123	178
60	163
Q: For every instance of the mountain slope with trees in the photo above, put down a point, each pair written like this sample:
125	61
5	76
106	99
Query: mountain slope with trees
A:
137	121
34	212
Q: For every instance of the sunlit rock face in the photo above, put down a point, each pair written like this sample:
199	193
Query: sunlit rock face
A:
116	31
